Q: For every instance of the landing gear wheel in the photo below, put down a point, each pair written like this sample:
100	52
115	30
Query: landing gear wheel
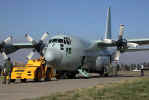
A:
102	72
23	80
38	75
71	76
63	76
12	80
106	75
48	75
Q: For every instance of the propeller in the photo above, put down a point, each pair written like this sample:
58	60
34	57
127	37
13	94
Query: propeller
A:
4	55
29	38
117	56
44	36
38	45
121	32
8	39
30	55
122	44
3	47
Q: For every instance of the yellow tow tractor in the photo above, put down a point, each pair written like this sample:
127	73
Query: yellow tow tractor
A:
35	69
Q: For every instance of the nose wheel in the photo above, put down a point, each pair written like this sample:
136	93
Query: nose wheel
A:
104	72
66	75
50	75
38	75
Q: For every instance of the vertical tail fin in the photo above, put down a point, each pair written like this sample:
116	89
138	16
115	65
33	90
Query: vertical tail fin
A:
108	25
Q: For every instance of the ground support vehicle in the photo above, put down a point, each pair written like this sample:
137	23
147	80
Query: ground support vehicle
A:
35	69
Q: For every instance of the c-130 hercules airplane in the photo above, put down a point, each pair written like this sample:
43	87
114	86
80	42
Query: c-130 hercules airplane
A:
69	54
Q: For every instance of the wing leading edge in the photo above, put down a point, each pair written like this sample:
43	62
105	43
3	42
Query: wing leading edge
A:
139	41
22	45
112	43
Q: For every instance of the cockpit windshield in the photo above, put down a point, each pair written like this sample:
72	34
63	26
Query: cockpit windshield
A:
66	40
60	40
56	41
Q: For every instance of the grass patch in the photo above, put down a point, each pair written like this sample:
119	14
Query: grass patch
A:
137	89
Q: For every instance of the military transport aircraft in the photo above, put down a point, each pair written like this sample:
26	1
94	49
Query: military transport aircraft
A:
69	54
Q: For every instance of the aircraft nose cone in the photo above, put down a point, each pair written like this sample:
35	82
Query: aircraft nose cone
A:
52	56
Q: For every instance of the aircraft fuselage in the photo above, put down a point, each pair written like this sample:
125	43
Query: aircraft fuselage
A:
67	53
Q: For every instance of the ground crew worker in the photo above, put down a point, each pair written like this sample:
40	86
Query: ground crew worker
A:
117	69
0	70
7	70
142	70
43	62
4	74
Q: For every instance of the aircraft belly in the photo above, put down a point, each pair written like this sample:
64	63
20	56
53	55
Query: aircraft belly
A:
67	67
93	64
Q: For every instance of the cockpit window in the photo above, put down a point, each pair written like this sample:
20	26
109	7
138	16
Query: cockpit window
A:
56	41
50	41
60	40
66	40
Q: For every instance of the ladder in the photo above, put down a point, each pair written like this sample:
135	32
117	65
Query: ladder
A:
83	72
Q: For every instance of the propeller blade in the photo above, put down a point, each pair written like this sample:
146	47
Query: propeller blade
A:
37	45
8	39
30	54
117	56
29	38
121	32
44	36
4	55
134	45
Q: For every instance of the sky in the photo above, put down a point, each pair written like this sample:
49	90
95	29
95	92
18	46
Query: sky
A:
83	18
76	17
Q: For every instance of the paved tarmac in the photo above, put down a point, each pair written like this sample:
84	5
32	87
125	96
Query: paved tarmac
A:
18	91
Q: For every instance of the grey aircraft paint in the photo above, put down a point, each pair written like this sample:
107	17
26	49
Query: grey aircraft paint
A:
70	60
71	54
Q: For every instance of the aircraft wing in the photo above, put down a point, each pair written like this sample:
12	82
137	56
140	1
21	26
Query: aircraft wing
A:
22	45
7	48
134	50
10	48
139	41
112	43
